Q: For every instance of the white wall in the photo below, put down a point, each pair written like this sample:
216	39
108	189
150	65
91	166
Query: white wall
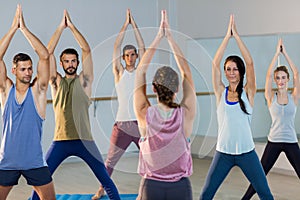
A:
209	18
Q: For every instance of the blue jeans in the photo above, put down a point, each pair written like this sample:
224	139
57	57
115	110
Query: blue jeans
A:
87	151
249	164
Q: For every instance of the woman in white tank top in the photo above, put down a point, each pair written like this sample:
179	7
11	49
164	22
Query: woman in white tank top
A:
235	146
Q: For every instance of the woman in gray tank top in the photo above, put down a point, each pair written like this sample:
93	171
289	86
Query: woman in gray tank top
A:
282	106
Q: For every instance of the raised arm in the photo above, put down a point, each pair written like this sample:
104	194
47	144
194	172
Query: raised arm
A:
218	85
189	94
42	52
5	82
40	85
269	76
141	102
138	36
250	86
296	84
87	74
116	62
54	75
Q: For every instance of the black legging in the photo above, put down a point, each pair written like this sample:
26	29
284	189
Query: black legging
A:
271	154
160	190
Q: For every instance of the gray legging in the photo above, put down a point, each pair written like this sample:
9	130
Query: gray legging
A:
161	190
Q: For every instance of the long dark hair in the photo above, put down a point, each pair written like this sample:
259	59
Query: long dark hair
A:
242	70
166	83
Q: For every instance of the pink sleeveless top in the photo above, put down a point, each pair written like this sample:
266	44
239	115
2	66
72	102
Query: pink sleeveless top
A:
165	152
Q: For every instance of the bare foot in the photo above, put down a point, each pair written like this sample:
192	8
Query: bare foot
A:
98	194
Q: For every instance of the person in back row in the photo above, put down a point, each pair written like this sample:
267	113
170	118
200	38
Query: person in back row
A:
125	129
282	106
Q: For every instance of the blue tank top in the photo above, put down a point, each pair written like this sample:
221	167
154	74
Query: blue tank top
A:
21	147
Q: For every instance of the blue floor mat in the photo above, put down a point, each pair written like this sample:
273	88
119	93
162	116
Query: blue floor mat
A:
89	196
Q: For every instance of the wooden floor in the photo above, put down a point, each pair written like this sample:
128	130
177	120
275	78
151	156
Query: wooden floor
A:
76	177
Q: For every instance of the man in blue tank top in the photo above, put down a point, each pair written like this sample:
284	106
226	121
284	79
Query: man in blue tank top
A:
23	106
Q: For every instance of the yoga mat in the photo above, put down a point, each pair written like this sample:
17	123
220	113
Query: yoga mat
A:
89	196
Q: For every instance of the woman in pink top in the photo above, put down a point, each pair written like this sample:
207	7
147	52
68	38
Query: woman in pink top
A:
165	160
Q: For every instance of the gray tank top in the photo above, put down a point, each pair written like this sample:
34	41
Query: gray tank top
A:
283	121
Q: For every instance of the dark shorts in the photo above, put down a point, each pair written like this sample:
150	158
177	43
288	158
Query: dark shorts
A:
34	177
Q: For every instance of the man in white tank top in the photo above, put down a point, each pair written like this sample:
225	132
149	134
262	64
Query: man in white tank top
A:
125	129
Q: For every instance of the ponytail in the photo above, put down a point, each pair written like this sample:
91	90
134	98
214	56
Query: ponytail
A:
165	95
241	67
239	90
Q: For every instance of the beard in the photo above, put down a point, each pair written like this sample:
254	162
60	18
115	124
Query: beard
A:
25	80
72	72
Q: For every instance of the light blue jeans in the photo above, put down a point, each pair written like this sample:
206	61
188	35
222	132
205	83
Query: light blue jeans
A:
249	164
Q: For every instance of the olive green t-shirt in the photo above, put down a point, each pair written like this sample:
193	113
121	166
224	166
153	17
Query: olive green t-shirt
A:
71	109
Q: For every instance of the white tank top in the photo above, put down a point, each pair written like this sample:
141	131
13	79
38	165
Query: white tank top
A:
125	90
283	121
234	131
